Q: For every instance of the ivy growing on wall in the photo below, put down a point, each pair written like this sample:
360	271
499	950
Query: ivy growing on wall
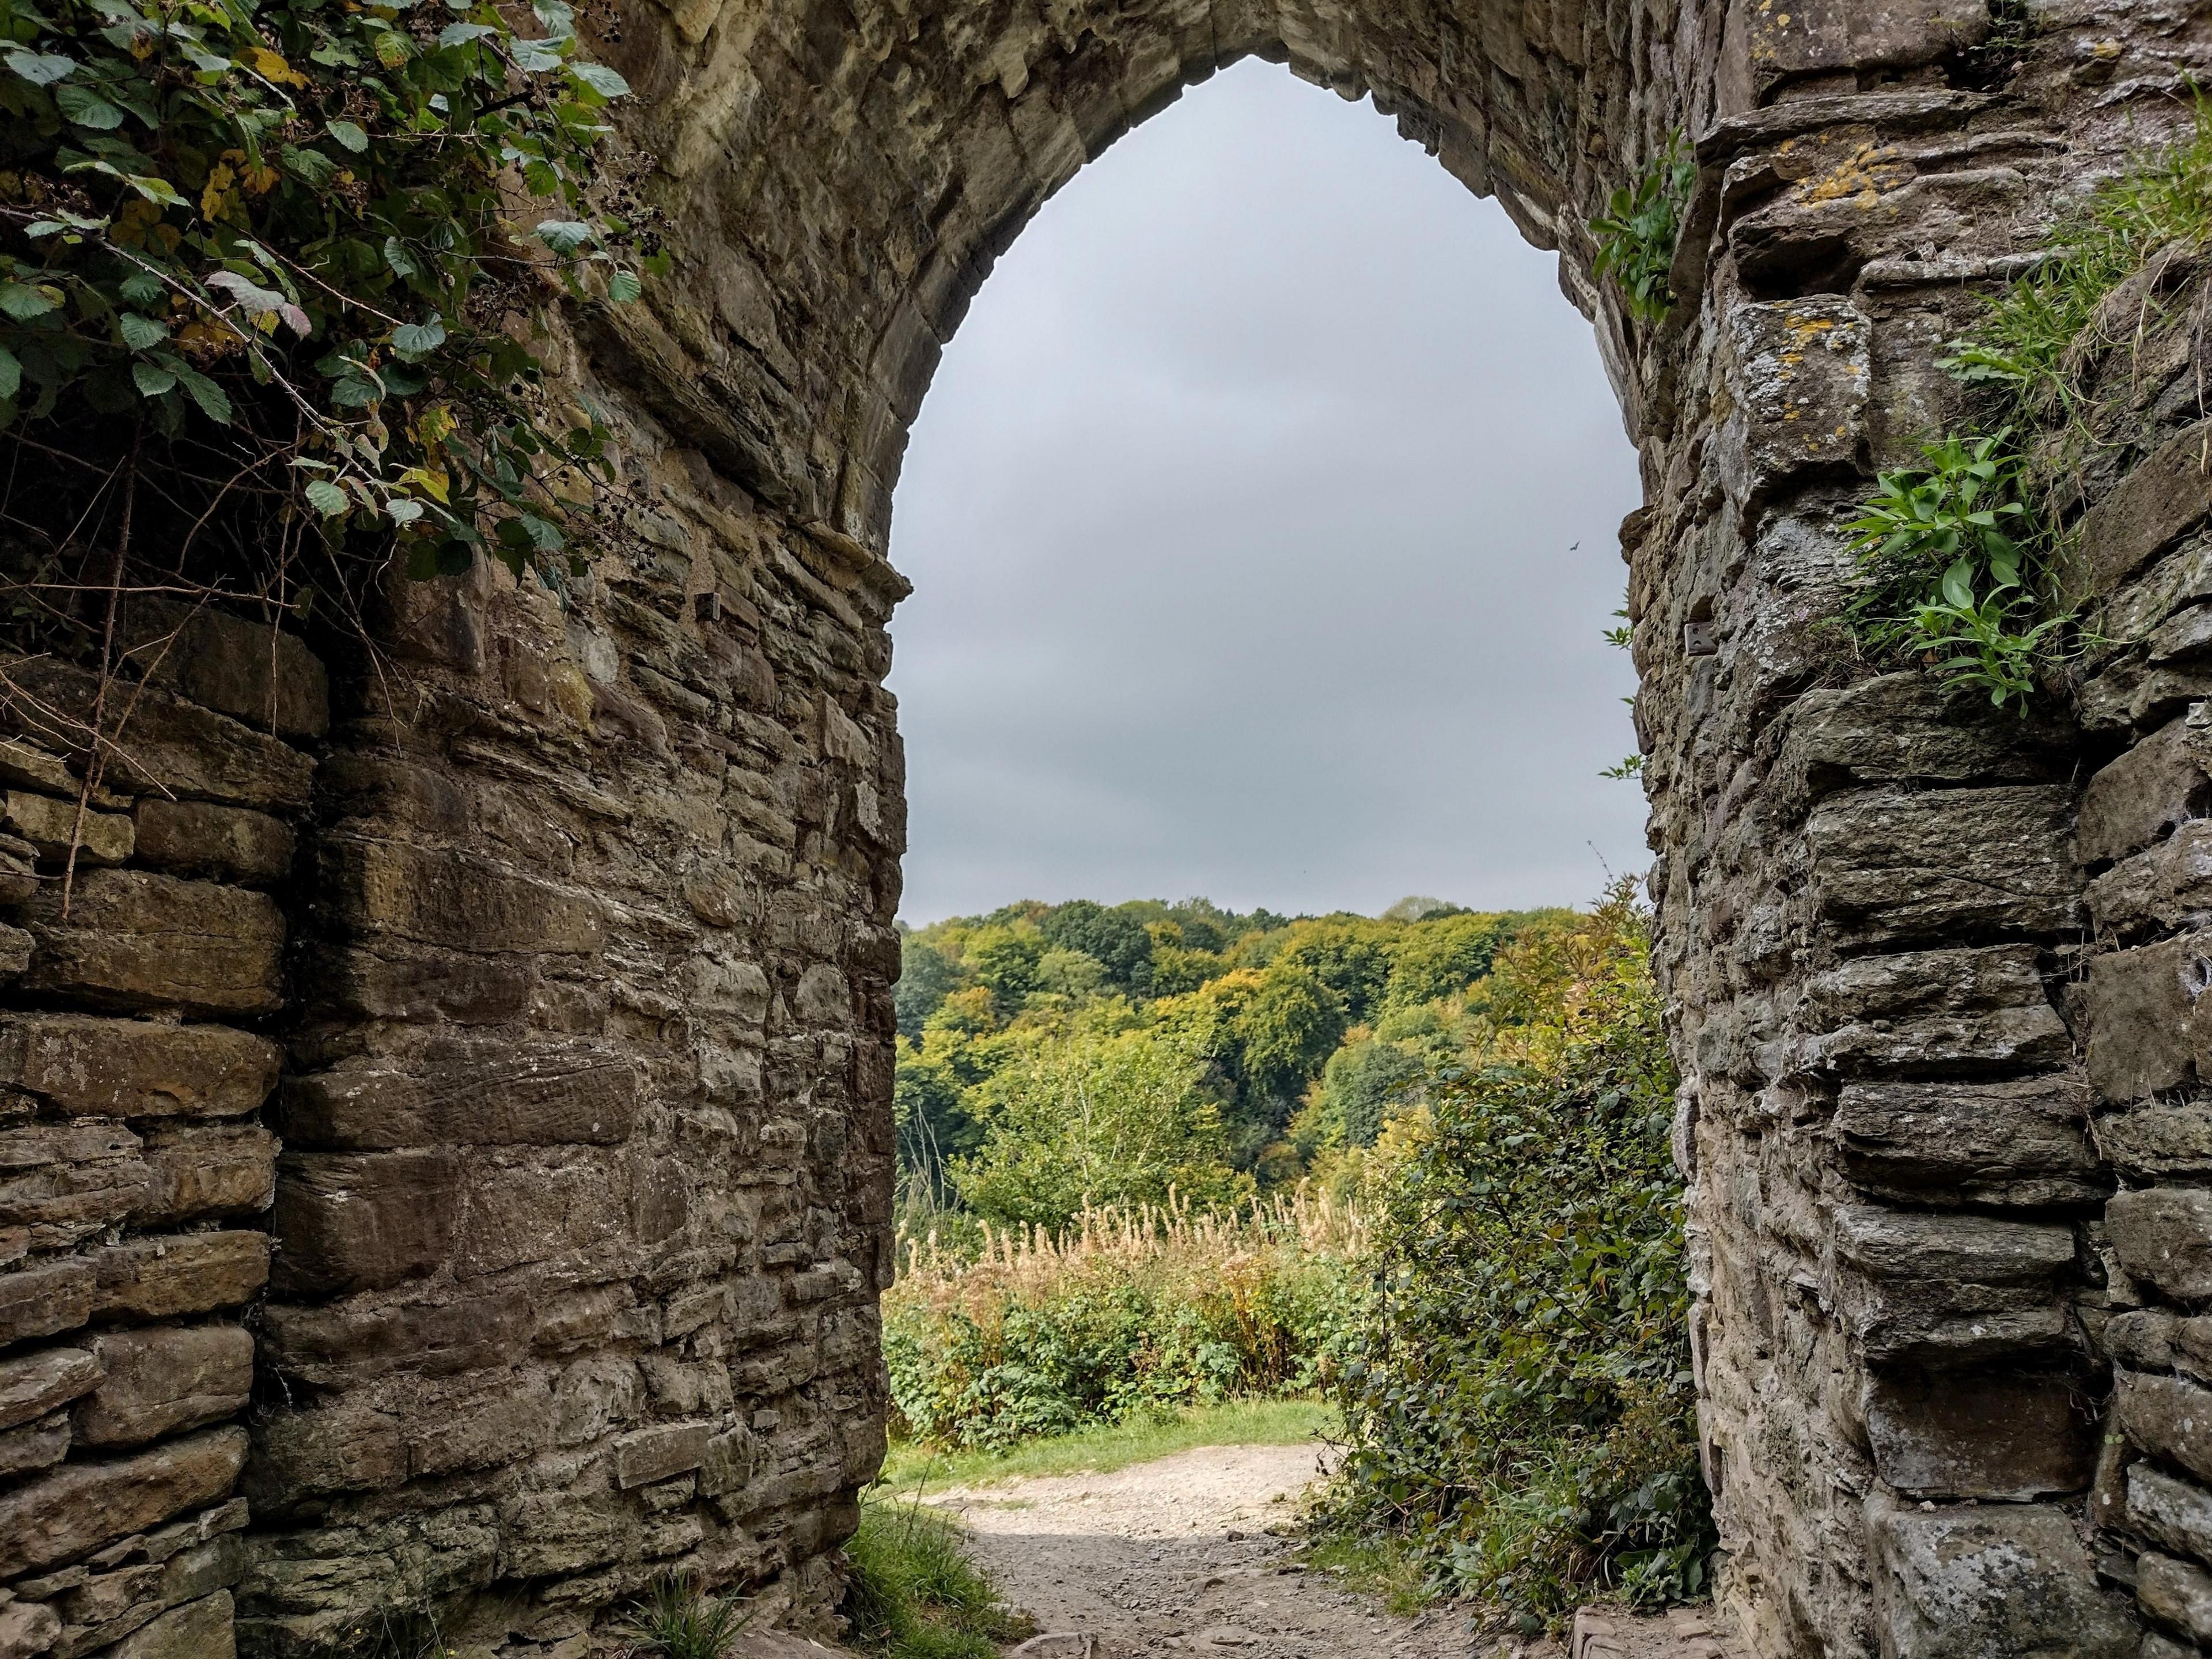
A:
290	260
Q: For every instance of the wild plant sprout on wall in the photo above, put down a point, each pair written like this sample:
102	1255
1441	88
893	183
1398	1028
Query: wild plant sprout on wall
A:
1636	233
1966	562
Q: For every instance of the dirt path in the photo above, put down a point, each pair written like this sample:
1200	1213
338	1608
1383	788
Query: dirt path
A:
1177	1556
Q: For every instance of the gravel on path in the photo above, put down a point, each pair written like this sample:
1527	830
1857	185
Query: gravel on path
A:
1190	1554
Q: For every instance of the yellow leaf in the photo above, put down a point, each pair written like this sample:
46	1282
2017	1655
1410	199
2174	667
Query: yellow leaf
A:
214	198
431	480
432	425
274	70
256	178
391	48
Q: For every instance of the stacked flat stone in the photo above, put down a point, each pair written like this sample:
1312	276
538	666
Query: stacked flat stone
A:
135	1170
586	1192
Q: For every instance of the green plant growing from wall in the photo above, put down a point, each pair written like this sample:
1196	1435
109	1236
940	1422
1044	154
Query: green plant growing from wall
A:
1943	578
1961	560
1636	233
286	257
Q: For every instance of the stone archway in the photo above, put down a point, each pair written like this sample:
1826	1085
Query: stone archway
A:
586	1189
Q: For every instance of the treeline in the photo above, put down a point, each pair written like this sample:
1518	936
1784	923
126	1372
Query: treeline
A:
1052	1058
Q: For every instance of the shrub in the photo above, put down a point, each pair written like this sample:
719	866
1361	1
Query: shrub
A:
1125	1311
1517	1400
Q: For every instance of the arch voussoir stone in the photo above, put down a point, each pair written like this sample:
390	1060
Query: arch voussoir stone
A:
584	1199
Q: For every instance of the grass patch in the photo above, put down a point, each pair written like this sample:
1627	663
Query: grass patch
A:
1102	1450
914	1593
1376	1565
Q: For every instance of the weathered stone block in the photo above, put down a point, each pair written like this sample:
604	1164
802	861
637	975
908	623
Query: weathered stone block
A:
34	1384
301	1454
2151	1141
198	1630
80	1506
545	1534
52	826
506	1425
41	1300
1934	1013
137	1068
2172	1513
201	1171
2176	1594
480	1094
2163	1237
223	843
1998	1581
191	1273
1890	864
535	1212
52	1173
2148	511
659	1453
2168	886
137	940
1798	385
441	897
27	1628
347	1343
240	668
2142	797
2018	1141
1950	1291
360	1222
2146	1035
2169	1417
37	1445
174	747
2001	1435
162	1382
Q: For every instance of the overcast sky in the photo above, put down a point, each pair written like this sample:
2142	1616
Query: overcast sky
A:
1242	521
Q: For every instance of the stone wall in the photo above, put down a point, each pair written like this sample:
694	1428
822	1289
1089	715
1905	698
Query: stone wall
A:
136	1170
584	1187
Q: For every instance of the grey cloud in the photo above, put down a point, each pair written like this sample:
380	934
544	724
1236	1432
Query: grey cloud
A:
1240	519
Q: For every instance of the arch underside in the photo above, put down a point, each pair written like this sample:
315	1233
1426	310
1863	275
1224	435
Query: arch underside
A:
585	1198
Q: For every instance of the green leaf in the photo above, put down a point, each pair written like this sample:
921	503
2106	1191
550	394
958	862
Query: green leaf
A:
326	498
397	256
404	511
213	400
141	333
1959	584
85	108
536	56
563	235
311	166
11	373
141	287
414	340
350	135
22	302
41	69
152	381
600	79
460	34
624	286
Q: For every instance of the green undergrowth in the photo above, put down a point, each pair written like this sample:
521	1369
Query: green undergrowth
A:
1518	1407
1967	562
913	1592
1100	1451
1378	1565
1636	233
